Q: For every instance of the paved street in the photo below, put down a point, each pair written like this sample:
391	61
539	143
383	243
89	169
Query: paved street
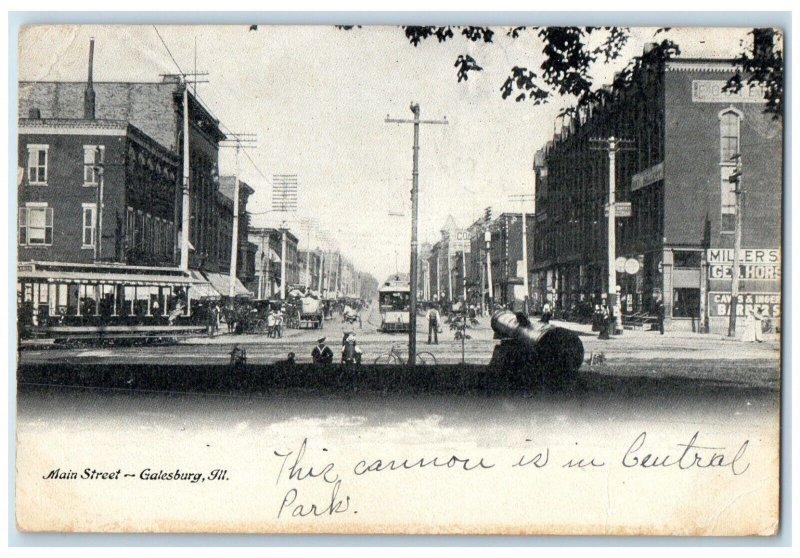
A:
632	346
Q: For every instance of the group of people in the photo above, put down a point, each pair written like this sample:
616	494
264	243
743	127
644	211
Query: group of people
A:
351	352
275	319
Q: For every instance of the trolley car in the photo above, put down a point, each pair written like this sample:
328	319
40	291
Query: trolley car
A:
394	303
106	303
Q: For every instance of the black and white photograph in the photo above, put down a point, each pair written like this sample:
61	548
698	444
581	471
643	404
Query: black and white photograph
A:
448	279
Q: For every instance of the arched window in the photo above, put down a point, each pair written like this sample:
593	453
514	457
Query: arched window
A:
729	121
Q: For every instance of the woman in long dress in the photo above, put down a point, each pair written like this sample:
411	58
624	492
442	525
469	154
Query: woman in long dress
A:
749	334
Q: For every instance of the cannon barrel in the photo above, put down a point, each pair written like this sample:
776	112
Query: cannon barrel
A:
554	349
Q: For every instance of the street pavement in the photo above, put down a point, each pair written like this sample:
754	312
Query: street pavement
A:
630	347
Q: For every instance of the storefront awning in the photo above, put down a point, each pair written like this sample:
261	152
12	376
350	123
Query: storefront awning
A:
221	284
202	289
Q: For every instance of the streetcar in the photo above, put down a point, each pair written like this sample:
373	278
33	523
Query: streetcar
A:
394	304
110	304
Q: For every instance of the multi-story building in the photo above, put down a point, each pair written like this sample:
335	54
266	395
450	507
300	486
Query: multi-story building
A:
69	166
223	224
309	263
156	110
508	270
268	241
685	131
99	197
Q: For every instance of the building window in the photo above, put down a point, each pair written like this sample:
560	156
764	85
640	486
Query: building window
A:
728	201
35	225
729	135
93	157
37	164
687	259
131	229
685	303
89	225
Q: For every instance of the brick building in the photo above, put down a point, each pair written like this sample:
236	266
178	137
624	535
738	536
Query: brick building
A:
685	130
507	261
156	110
99	199
62	164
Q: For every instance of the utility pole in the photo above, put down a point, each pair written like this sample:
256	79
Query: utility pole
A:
100	170
412	333
522	199
240	141
186	218
611	146
284	199
736	179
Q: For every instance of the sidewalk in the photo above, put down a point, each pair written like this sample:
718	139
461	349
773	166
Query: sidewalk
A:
687	345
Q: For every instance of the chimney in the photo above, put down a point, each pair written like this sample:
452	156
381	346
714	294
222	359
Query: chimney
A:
763	42
88	95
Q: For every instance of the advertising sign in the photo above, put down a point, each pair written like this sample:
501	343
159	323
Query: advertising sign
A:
459	241
647	177
769	304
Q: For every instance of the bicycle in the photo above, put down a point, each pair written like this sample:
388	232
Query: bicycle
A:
394	356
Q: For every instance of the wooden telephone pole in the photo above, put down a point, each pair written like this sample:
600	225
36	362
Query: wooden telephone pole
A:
412	333
736	178
612	145
239	141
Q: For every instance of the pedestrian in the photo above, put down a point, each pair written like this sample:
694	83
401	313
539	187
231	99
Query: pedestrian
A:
271	323
322	354
433	325
605	321
351	353
279	323
660	315
547	312
757	319
212	320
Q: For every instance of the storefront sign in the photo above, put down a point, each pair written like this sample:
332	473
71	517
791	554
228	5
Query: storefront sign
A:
632	266
769	304
711	91
25	267
647	177
746	271
770	256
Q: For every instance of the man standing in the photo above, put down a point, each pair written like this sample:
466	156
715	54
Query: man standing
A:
322	354
660	315
605	321
433	325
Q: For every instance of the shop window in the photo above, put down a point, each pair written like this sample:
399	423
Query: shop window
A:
37	164
687	259
685	303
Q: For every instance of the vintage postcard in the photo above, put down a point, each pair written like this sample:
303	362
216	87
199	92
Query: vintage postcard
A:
386	279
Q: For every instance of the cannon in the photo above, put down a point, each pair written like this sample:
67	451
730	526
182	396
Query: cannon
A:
535	351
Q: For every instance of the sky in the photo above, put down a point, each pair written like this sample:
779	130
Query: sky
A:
317	99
